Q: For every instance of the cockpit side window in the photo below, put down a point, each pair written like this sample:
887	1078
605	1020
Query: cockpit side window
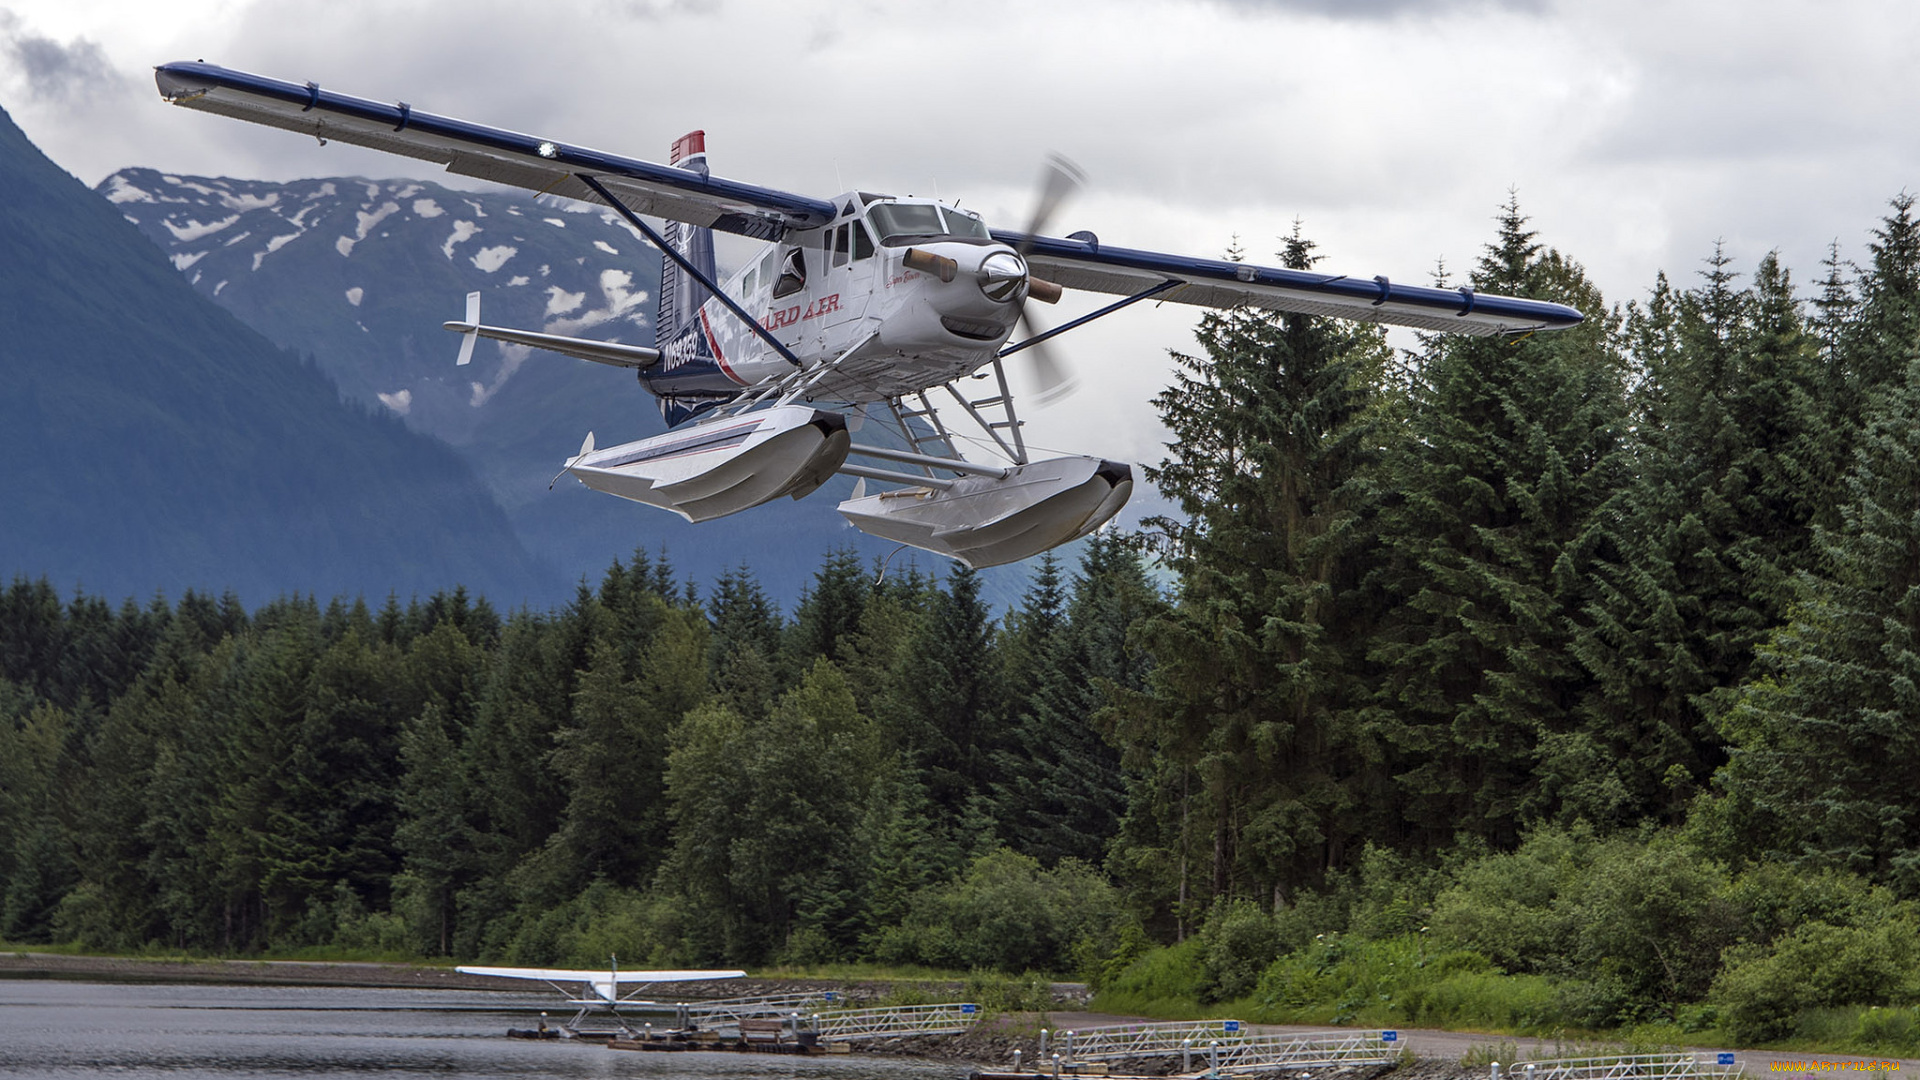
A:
959	224
862	243
840	246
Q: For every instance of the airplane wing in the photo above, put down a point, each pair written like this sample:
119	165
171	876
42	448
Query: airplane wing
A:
603	976
540	165
1085	263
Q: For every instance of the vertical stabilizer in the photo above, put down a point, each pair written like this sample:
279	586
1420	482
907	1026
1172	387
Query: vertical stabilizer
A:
681	295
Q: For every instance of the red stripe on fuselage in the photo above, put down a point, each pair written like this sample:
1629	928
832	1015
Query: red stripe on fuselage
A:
713	343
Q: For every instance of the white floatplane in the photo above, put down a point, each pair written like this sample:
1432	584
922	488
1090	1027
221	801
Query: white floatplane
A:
600	991
860	302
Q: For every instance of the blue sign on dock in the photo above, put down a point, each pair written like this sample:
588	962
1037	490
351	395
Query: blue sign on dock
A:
1389	1036
1231	1026
968	1008
1725	1058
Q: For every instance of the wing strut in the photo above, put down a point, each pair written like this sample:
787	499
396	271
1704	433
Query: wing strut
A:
684	263
1145	294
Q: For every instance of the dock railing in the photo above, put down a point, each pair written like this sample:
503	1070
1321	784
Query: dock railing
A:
848	1025
722	1011
1676	1066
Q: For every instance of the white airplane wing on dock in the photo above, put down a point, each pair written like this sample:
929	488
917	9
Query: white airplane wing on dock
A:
568	975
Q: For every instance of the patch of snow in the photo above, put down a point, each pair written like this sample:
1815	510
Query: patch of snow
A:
367	221
560	301
298	220
190	186
353	297
493	258
606	247
244	203
217	288
555	222
119	191
511	357
324	191
400	401
195	229
407	192
279	242
196	277
426	208
515	211
477	211
623	301
182	260
373	192
463	231
518	279
545	270
234	240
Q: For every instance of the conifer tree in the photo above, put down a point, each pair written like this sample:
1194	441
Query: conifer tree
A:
1512	451
1825	765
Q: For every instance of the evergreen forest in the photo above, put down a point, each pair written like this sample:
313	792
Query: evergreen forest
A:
1567	682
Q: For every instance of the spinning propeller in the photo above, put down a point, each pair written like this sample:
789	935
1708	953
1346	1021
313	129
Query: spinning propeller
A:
1060	179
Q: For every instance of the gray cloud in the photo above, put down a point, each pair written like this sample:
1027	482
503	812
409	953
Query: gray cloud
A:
1385	10
75	72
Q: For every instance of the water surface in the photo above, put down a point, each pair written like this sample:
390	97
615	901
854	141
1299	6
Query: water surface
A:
73	1029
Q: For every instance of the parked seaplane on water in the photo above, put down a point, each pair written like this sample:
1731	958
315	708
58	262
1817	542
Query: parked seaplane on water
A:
863	307
599	991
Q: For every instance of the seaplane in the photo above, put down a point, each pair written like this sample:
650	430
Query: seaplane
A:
860	307
606	991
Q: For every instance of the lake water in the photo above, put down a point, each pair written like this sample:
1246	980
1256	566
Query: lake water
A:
69	1030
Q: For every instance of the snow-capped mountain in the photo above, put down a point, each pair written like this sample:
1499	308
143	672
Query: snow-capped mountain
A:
155	443
360	274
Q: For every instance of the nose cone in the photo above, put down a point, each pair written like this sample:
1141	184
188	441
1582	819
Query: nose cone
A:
1002	276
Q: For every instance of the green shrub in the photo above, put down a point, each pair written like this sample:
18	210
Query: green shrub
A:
1162	981
1509	907
1239	941
1007	914
1651	917
1763	989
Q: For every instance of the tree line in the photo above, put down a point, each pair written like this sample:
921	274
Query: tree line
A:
1651	577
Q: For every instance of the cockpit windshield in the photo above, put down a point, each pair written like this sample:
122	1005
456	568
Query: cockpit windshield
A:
900	223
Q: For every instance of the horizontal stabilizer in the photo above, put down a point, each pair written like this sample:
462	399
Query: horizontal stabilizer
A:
600	352
570	975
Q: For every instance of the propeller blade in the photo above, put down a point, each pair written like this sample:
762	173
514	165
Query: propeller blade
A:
1059	180
1055	383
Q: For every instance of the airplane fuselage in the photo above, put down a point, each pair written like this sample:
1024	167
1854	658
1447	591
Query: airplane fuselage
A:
845	293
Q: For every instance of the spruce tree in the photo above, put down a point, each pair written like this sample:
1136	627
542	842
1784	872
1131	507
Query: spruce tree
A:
1510	454
1825	764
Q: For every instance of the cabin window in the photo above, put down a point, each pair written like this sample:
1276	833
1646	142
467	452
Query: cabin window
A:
751	282
840	246
793	274
862	242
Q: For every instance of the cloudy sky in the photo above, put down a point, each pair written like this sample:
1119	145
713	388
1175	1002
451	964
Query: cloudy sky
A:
1636	132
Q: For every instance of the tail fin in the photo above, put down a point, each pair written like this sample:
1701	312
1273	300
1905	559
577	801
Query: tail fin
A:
680	294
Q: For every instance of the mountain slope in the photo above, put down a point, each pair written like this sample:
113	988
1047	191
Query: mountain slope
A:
153	442
359	274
